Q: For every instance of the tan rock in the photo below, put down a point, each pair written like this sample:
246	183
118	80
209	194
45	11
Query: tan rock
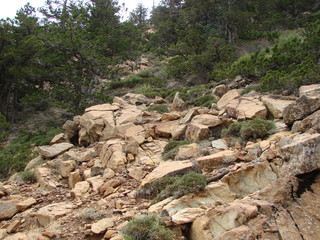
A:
301	108
54	150
137	173
112	154
207	120
111	183
210	162
109	234
156	208
178	104
302	155
287	227
196	132
13	227
246	108
96	182
33	163
132	132
178	131
189	116
220	90
23	205
188	151
311	122
275	106
71	129
239	233
129	114
8	209
310	90
136	99
227	98
50	213
222	219
3	233
103	107
59	138
44	178
187	215
220	144
66	167
74	178
81	188
167	168
102	225
170	116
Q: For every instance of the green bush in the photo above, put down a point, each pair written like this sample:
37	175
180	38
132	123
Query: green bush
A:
146	227
249	130
3	123
28	176
160	108
205	101
15	156
172	148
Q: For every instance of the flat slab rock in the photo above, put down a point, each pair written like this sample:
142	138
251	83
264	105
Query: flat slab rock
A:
51	212
102	225
167	168
7	209
54	150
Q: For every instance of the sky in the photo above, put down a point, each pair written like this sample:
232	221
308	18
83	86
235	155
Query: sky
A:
8	8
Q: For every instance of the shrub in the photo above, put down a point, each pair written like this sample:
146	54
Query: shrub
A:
175	186
172	148
205	101
146	227
90	214
160	108
28	176
250	130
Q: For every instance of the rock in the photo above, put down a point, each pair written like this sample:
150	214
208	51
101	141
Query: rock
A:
197	132
136	99
220	90
220	144
167	129
301	108
13	227
312	90
58	139
129	114
302	155
81	188
34	162
87	155
108	173
96	182
187	215
52	212
311	122
188	151
132	147
66	167
169	116
74	178
189	116
166	169
3	233
178	132
102	225
275	106
109	234
103	107
239	233
113	183
210	162
246	108
207	120
132	132
227	98
23	205
44	178
71	129
137	173
178	104
221	219
287	227
54	150
8	209
112	154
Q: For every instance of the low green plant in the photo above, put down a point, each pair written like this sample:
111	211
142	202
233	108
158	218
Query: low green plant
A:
205	101
249	130
28	176
146	227
160	108
90	214
172	148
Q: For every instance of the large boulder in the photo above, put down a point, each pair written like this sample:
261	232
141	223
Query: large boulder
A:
275	106
310	122
302	155
178	104
306	104
54	150
112	154
8	209
197	132
50	213
246	108
132	132
221	158
227	98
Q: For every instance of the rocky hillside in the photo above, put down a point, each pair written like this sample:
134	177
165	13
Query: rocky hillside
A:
103	171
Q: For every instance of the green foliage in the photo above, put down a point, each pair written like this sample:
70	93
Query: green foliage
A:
15	155
205	101
250	88
160	108
172	148
174	186
28	176
146	227
249	130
